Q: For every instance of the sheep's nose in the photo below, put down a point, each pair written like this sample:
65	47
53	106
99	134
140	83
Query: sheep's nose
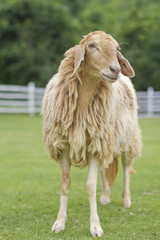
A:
115	69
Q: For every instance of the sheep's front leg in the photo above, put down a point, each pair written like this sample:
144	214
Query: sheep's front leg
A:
59	224
95	227
126	196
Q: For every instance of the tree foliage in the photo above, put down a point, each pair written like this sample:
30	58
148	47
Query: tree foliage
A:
34	34
33	38
141	31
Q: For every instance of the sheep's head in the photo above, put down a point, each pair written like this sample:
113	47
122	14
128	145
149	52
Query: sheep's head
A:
101	59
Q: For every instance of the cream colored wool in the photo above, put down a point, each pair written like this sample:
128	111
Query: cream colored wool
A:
102	121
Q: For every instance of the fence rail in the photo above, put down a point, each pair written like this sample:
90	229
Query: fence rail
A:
21	99
27	99
149	103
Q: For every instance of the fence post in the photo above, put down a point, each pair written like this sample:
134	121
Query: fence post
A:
31	99
150	106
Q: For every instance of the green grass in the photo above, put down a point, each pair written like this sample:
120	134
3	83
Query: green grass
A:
30	185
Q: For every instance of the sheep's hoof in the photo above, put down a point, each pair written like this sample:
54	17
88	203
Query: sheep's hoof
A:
96	230
104	200
58	226
126	202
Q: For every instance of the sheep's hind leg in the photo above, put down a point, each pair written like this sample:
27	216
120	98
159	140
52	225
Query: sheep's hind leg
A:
95	227
59	224
126	196
105	198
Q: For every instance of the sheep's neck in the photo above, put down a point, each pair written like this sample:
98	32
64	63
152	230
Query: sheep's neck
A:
87	90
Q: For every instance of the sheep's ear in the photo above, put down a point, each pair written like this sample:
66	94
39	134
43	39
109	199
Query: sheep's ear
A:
126	68
79	57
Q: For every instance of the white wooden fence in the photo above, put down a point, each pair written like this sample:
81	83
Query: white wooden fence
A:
27	99
149	103
20	99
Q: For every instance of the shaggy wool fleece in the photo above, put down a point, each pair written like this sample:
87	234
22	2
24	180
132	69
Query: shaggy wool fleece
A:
105	124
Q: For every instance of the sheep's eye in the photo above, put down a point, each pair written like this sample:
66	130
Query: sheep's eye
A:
91	45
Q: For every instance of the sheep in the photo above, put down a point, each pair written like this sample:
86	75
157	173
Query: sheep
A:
89	115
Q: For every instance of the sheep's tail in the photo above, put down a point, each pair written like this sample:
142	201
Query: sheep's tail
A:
132	170
111	172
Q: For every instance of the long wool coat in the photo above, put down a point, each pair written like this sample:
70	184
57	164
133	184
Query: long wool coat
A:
106	127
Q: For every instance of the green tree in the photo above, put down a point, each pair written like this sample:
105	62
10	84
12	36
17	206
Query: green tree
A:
34	35
33	38
140	30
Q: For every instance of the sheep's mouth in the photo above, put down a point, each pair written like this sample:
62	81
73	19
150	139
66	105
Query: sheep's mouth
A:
109	78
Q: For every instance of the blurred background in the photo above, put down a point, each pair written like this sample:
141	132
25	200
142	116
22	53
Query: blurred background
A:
34	34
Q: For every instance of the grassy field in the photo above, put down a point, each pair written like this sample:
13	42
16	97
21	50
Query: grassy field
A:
30	185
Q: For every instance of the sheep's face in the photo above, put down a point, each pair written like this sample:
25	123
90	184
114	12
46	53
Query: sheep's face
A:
101	59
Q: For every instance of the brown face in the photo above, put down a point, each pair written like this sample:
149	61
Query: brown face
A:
102	60
101	57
